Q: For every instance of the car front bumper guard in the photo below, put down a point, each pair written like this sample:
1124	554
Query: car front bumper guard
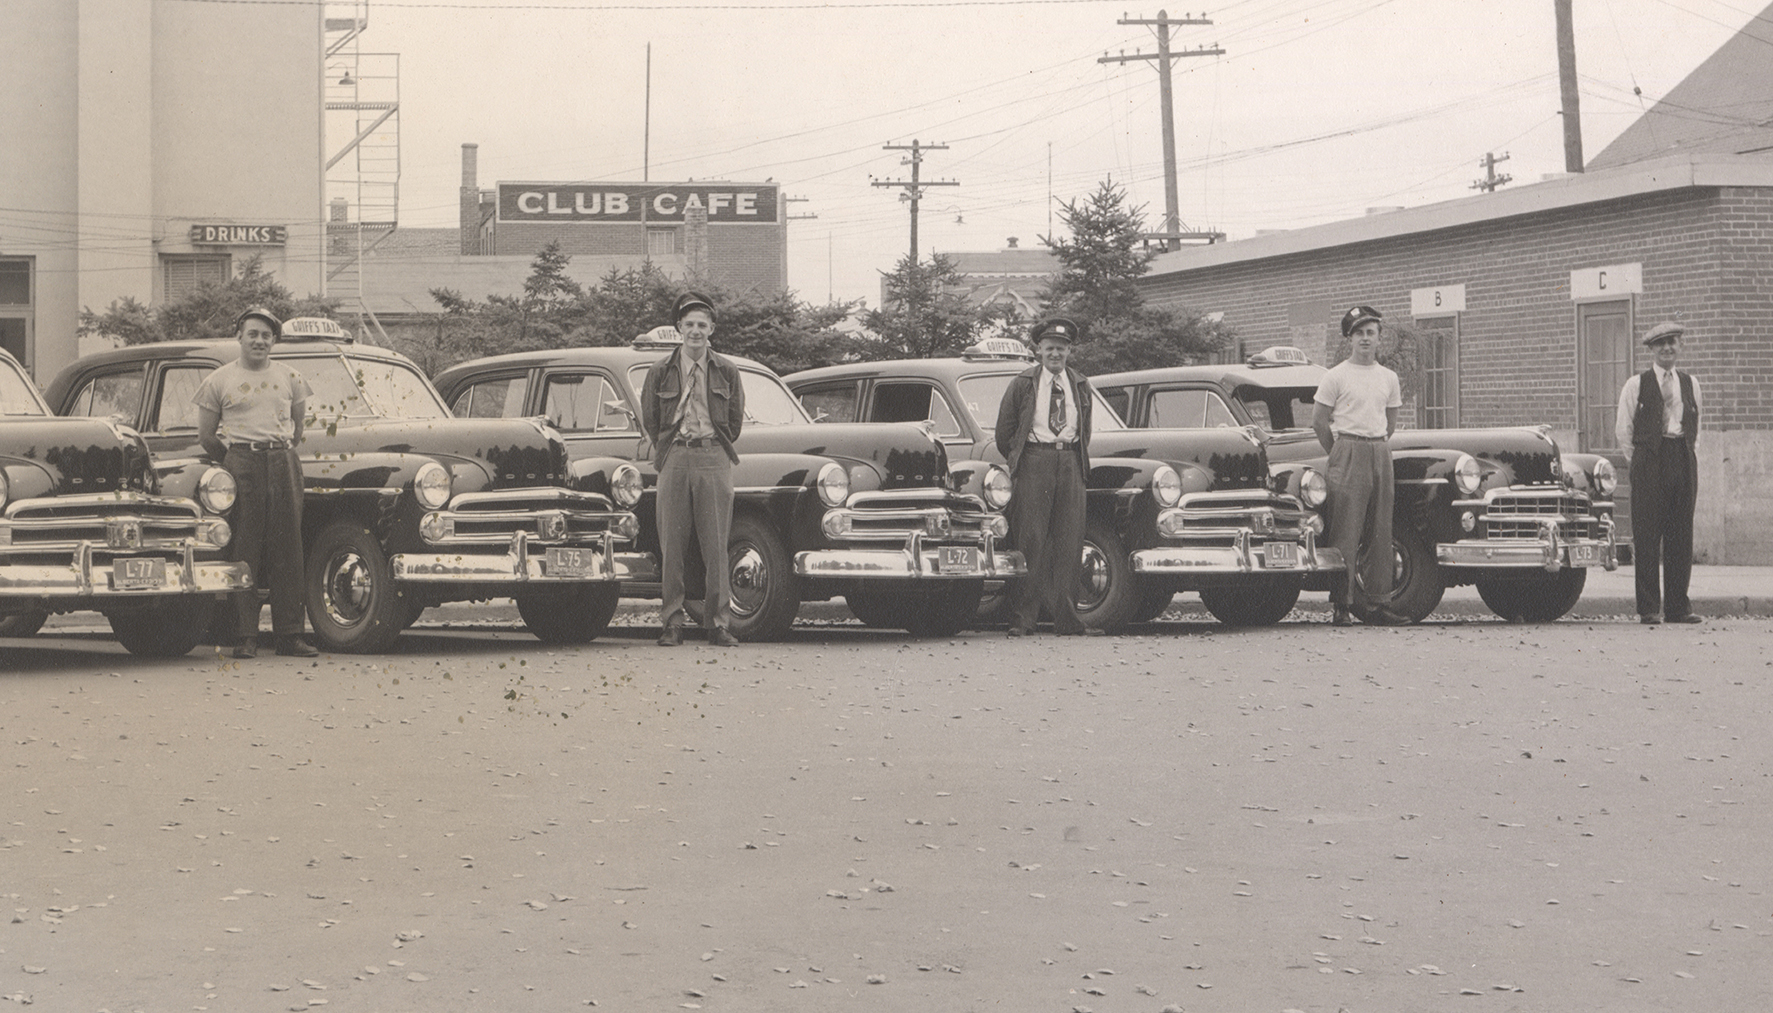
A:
1247	555
526	560
913	560
77	578
1551	551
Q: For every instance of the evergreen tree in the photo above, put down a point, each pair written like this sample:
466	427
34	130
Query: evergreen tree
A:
925	313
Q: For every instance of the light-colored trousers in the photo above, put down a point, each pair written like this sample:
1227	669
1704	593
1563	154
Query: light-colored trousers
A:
695	494
1360	505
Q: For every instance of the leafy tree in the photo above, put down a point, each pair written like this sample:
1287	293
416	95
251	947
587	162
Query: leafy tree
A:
926	313
1097	285
207	311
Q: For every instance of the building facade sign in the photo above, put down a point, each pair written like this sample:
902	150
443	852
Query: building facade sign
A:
239	235
636	202
1613	281
1439	301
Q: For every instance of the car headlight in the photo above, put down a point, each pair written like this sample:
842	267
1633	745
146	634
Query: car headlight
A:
4	491
1605	478
431	485
1314	489
218	533
834	484
626	485
216	490
997	488
1467	475
1166	485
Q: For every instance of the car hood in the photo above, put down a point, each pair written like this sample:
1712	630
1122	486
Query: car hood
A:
1525	454
904	454
359	453
49	456
1233	456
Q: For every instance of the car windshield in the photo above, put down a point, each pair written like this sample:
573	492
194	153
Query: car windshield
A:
17	396
358	387
1278	409
767	401
982	393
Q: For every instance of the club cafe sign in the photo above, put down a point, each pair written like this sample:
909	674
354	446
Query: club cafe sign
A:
635	202
239	235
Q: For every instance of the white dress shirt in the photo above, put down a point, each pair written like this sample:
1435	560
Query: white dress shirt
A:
1042	432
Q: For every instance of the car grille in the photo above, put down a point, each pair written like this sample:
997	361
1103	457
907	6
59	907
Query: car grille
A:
551	515
1522	513
116	521
892	515
1220	517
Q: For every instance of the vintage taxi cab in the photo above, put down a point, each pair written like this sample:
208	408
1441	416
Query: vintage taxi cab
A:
1168	510
874	514
1501	508
404	507
86	525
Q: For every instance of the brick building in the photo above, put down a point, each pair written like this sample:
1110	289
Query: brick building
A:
1528	306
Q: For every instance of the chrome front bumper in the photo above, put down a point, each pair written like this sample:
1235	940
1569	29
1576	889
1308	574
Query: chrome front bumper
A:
912	561
79	579
594	561
1248	554
1550	551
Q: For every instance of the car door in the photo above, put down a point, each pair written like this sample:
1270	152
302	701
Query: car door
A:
592	413
922	401
114	393
169	420
833	401
1189	407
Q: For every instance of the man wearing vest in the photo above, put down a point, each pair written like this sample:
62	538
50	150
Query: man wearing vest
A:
692	408
1043	431
1658	427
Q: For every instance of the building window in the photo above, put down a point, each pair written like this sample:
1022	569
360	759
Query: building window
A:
1439	344
16	310
184	274
661	242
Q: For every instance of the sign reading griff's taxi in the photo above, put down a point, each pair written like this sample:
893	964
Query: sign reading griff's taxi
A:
733	204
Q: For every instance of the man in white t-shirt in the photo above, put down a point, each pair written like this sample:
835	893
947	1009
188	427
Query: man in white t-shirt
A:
1357	403
249	418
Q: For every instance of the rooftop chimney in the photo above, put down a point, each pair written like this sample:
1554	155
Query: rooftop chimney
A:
469	226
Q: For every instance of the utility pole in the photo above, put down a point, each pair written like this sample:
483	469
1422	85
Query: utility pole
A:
1567	86
799	200
1172	234
1491	179
914	187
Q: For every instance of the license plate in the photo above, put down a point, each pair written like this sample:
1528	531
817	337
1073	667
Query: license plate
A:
1585	555
573	562
138	574
957	558
1280	555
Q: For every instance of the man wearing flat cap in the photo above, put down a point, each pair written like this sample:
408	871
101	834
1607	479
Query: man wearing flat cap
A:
1356	412
692	408
1658	427
1043	431
249	418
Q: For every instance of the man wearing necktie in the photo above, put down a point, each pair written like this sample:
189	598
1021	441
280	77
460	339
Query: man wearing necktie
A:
1658	427
1043	432
692	408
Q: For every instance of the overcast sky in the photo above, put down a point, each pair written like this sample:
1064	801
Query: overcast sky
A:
1318	110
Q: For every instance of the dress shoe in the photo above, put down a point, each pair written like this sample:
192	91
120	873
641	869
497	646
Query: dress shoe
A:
671	637
1650	619
720	636
1020	631
246	649
1384	616
295	647
1340	616
1686	617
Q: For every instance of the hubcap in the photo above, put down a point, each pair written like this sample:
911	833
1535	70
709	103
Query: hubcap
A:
1092	577
347	588
750	581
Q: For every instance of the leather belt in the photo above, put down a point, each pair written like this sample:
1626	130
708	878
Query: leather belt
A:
1055	445
260	446
1351	436
696	443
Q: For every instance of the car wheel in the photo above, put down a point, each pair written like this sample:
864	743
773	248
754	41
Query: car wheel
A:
765	595
575	615
1543	598
23	624
1153	602
1261	602
1416	580
167	628
943	608
353	604
1107	593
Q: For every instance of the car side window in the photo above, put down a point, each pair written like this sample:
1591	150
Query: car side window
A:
175	410
586	402
1178	409
831	404
500	398
1118	398
913	402
114	396
1219	413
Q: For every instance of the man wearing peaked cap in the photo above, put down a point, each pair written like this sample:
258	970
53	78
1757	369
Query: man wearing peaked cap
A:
1657	425
1356	412
692	407
1043	431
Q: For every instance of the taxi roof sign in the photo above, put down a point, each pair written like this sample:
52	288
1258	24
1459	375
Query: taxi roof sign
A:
1279	355
662	336
998	348
313	329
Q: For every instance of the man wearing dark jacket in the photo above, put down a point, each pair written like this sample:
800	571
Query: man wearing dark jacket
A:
692	408
1043	431
1658	428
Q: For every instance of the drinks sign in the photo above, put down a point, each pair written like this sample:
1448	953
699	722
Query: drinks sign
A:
239	235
